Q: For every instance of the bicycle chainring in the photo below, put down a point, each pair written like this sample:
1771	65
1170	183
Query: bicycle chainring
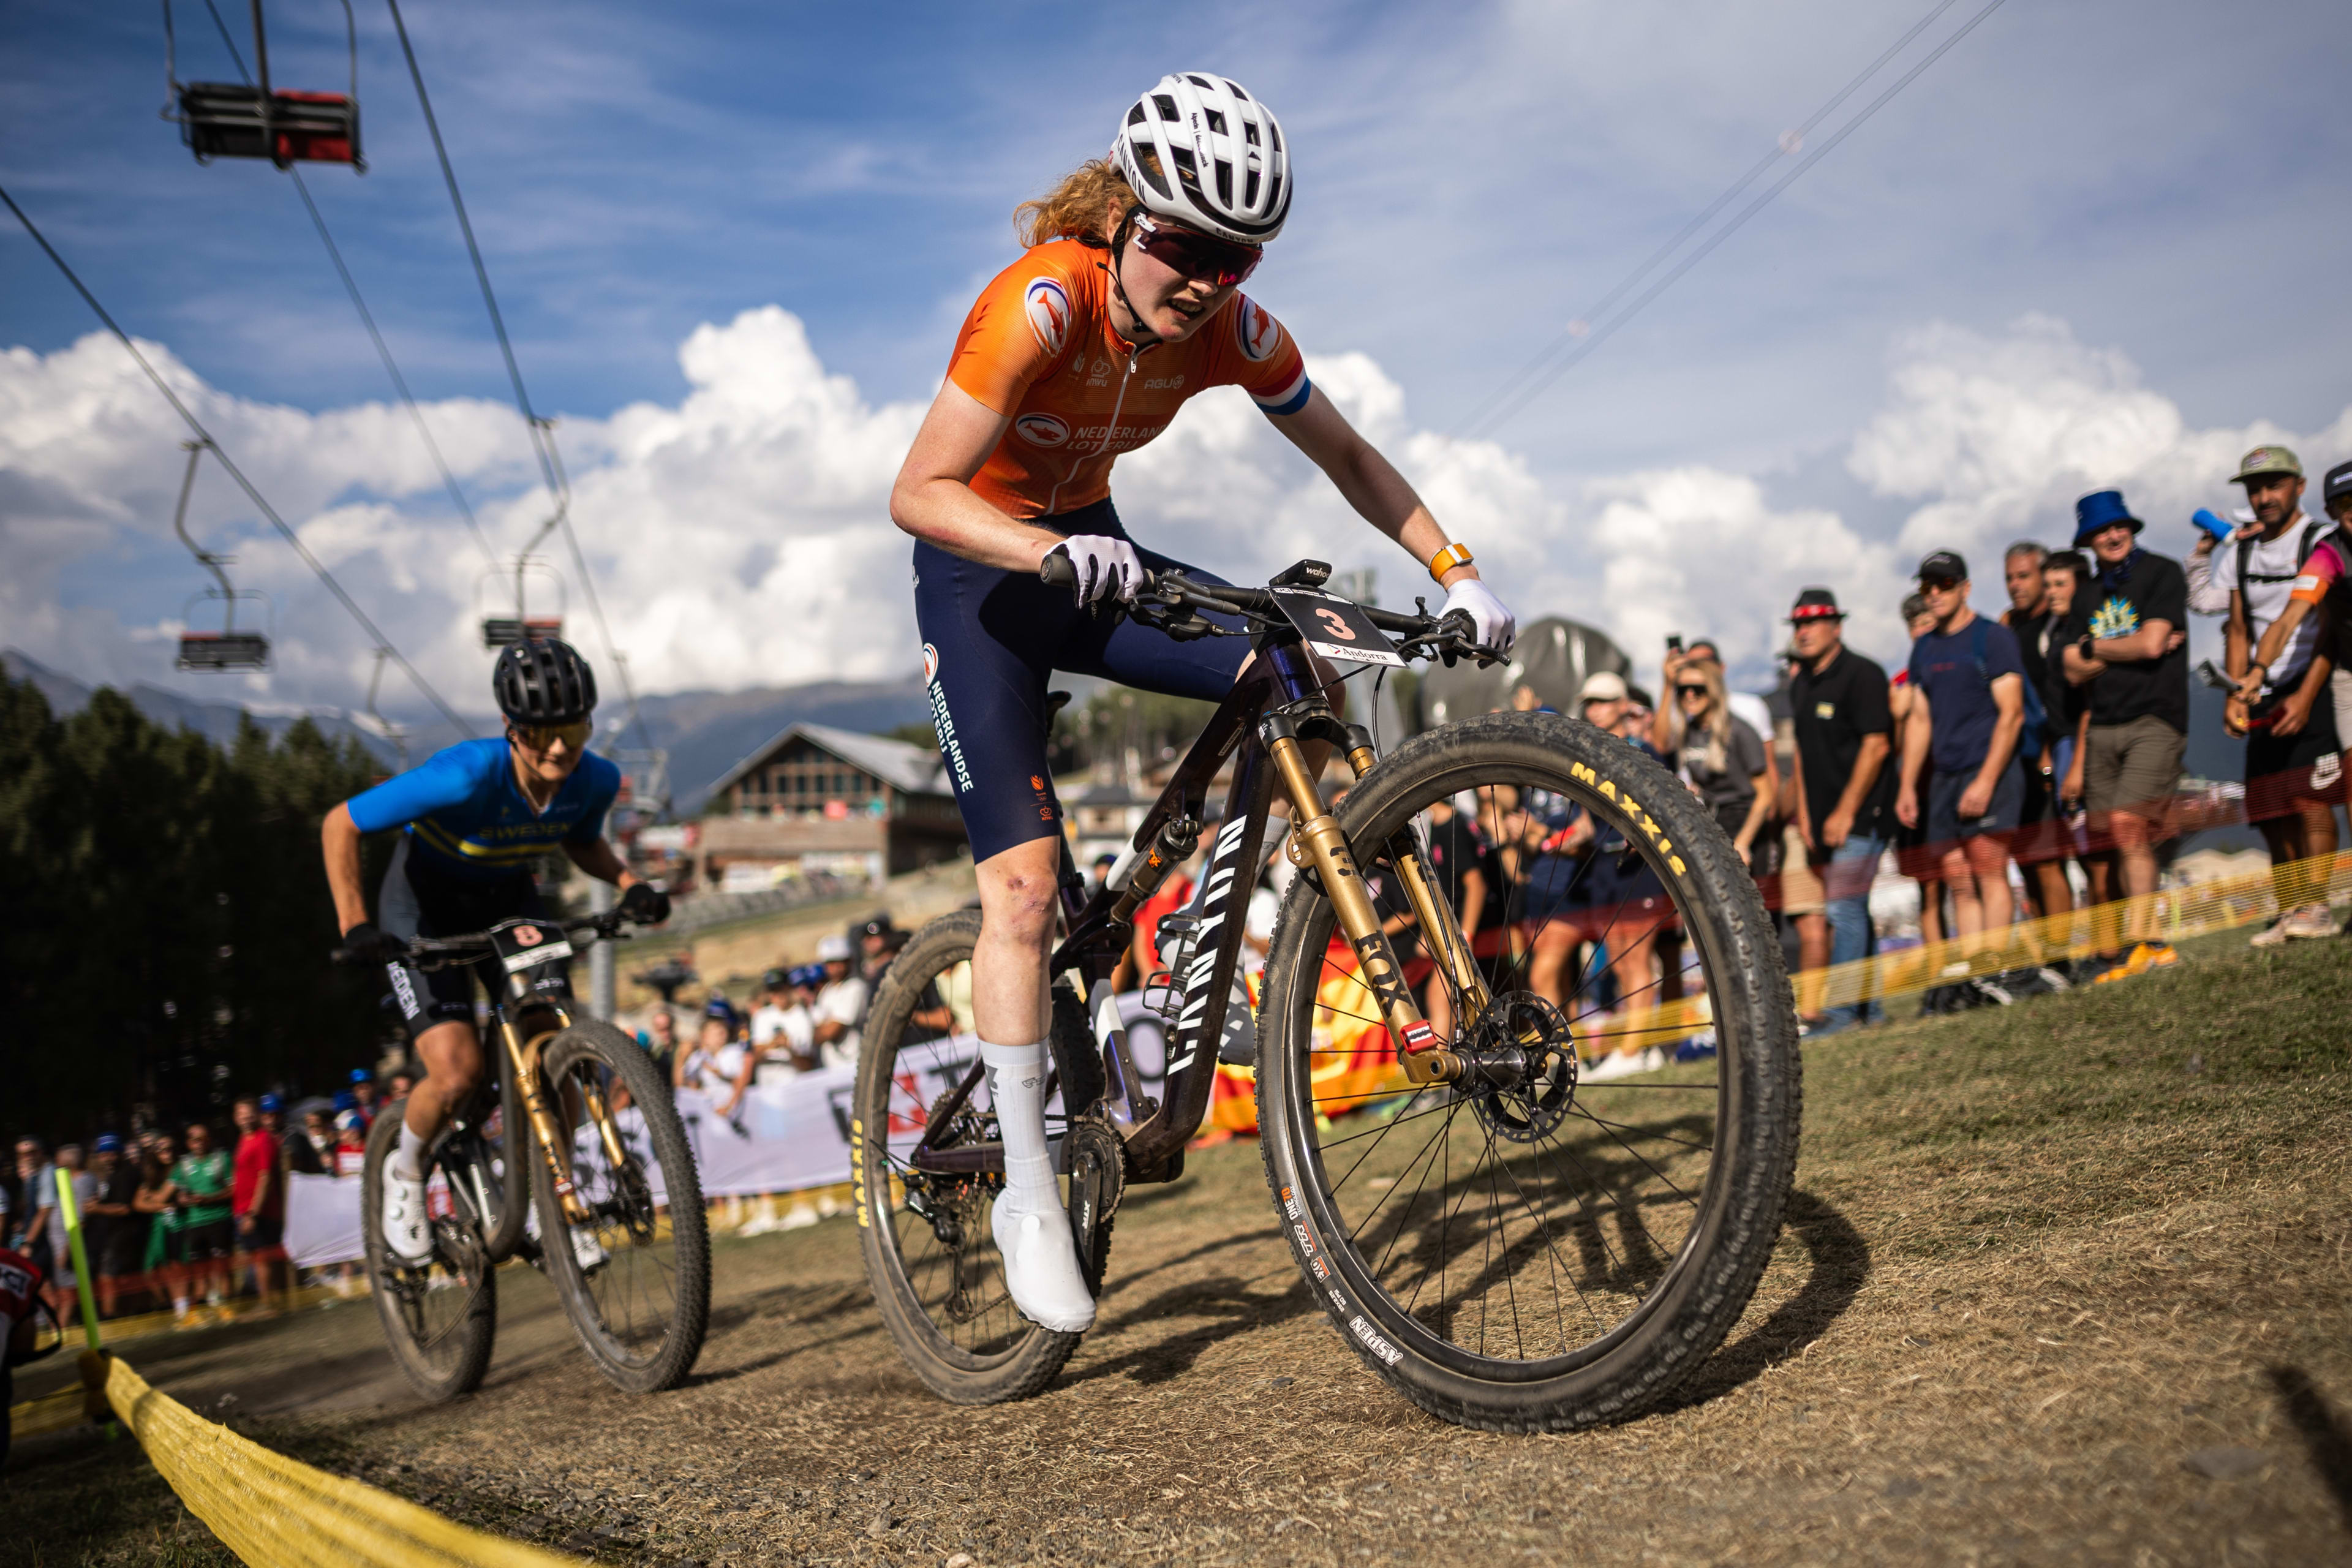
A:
1097	1157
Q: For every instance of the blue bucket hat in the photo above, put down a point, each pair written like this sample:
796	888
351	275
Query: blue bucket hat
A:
2101	508
108	1143
270	1102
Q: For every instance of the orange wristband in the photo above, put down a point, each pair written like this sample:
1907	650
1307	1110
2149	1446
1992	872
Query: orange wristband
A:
1447	559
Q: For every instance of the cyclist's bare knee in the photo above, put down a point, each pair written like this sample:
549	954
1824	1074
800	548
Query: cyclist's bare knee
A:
452	1054
1018	889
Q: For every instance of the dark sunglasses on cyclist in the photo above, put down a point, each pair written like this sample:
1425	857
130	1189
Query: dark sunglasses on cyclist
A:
1201	257
540	737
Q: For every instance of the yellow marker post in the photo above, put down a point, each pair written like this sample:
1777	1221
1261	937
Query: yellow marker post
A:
94	1360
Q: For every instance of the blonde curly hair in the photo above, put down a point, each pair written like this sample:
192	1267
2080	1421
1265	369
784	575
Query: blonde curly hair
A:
1088	205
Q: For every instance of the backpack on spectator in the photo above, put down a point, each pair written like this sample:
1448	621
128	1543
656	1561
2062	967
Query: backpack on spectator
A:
2314	530
2035	734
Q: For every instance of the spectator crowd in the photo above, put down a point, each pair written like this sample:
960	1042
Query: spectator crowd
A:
185	1214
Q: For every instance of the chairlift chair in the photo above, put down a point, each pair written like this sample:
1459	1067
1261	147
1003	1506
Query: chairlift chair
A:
229	649
238	120
502	630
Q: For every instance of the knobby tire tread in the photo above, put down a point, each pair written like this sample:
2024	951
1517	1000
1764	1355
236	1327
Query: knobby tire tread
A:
1037	1358
595	1040
1764	1146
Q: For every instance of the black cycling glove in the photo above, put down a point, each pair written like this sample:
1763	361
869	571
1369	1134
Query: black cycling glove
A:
368	944
644	904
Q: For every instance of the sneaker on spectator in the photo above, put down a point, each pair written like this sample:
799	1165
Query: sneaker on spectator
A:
2092	967
2159	955
2272	935
1991	989
2053	979
1698	1048
2022	983
2310	922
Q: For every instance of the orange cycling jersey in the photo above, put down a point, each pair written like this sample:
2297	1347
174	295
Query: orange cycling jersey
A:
1039	346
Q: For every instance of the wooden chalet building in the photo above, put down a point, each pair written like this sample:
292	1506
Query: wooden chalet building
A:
816	799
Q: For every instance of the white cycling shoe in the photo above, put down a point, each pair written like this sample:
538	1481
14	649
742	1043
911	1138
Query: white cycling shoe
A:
1041	1268
586	1250
407	1229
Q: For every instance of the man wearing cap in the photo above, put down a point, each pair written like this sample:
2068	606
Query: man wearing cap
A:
112	1234
2126	645
840	1004
2293	772
1968	712
1844	789
783	1025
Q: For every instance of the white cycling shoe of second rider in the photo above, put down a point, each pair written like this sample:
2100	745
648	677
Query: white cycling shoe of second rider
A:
1033	1229
407	1229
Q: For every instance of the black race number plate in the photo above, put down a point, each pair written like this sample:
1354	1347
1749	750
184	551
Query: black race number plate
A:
1337	628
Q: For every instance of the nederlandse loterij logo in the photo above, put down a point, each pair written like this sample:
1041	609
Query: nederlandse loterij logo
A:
1041	429
1048	305
2118	617
1258	333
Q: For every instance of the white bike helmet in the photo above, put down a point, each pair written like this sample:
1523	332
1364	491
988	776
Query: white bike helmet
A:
1199	150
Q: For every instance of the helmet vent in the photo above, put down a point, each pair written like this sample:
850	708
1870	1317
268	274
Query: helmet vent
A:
1166	105
1225	182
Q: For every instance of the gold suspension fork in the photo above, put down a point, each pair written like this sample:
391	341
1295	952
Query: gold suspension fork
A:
522	1060
1317	841
1435	912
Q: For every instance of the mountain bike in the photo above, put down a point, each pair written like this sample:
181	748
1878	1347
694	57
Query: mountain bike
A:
574	1127
1543	1217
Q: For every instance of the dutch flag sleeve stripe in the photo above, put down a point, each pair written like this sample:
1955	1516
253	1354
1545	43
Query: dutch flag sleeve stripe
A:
1289	399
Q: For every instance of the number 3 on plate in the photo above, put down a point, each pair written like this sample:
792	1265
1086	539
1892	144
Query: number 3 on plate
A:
1336	624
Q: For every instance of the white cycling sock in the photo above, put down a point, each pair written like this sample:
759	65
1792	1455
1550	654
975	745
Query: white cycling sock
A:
408	1159
1016	1081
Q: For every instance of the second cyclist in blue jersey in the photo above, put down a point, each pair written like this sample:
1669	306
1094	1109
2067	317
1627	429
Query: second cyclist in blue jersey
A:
473	820
1125	304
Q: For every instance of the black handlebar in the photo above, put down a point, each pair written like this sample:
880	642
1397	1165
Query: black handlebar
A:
607	927
1445	636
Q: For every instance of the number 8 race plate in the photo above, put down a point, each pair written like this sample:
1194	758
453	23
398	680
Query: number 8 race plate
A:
1337	628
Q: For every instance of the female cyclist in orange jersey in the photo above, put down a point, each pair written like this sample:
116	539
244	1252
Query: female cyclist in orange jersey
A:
1125	304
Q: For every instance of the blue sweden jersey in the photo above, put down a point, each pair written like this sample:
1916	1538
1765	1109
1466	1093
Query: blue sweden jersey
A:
467	817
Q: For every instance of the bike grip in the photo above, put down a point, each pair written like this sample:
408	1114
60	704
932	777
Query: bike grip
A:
1058	570
2213	522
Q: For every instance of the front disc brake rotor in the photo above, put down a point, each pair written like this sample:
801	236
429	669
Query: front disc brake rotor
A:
1522	1076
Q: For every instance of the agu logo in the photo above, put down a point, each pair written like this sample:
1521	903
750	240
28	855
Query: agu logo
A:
1048	304
1258	333
1041	429
930	664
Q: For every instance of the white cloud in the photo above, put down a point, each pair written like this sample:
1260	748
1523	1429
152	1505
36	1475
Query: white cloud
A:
741	536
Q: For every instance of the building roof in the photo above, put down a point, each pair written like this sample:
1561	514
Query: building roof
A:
916	770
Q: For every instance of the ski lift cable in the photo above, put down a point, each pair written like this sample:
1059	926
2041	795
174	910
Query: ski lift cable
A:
367	317
1567	356
542	431
318	567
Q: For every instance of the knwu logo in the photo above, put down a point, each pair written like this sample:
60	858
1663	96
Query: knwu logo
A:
1048	304
1259	333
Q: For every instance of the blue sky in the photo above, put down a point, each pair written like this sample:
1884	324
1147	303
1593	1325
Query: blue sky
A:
2164	179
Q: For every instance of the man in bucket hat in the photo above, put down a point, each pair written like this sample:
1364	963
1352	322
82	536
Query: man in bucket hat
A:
1844	792
2125	645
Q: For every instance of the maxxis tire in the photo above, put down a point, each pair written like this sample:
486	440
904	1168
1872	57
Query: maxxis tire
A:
594	1040
470	1342
1703	1293
945	1369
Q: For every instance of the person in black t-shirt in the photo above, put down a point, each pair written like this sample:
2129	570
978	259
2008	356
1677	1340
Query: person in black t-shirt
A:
2125	645
1845	790
2040	846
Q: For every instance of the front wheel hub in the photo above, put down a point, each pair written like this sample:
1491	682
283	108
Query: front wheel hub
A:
1519	1067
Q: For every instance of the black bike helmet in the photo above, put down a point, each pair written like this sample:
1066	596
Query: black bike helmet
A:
543	682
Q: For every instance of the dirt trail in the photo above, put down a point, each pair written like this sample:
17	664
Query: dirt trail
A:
2064	1284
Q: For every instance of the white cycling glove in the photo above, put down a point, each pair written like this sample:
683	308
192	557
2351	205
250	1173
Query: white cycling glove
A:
1492	623
1107	567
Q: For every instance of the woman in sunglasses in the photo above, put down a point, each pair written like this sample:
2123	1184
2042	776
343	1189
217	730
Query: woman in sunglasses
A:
474	819
1125	304
1723	760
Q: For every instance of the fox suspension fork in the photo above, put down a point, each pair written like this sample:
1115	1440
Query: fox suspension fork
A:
1316	842
522	1060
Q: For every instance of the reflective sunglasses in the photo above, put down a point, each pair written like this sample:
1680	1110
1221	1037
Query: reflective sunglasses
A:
1200	257
540	737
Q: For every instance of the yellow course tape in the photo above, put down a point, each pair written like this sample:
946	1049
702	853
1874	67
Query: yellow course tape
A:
276	1512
